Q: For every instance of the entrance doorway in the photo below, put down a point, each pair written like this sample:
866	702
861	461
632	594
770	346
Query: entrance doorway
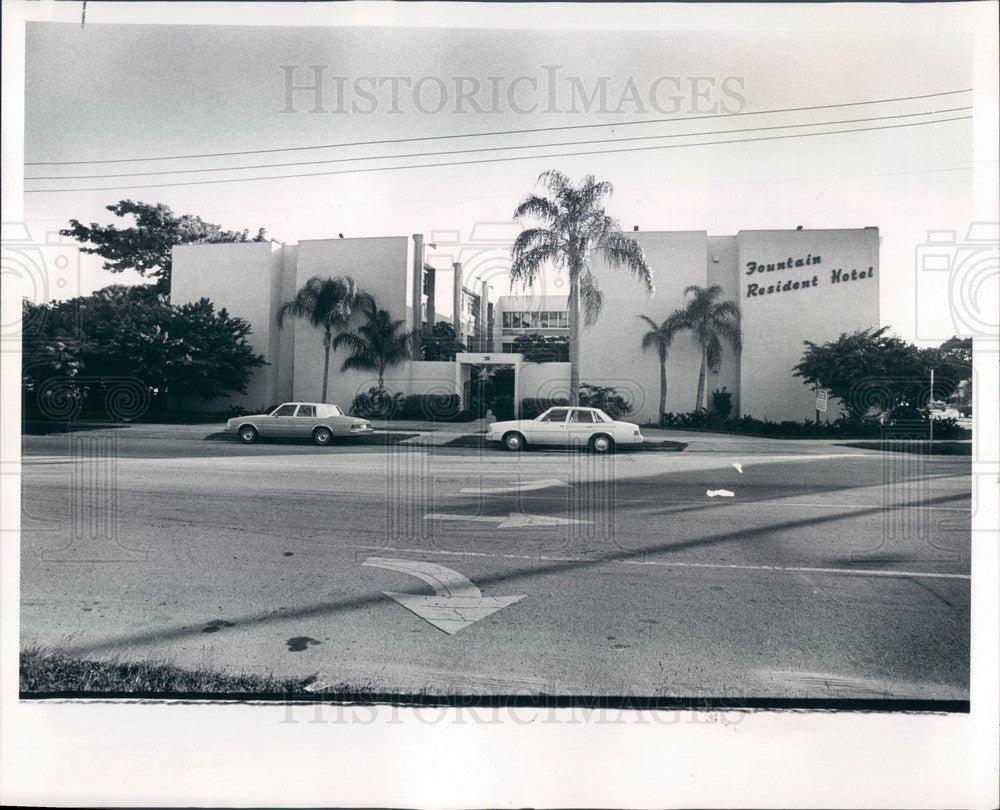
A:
489	382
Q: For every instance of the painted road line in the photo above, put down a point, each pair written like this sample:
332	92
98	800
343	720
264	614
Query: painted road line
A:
515	520
523	487
456	603
859	572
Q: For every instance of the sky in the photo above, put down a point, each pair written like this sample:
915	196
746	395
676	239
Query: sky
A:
124	92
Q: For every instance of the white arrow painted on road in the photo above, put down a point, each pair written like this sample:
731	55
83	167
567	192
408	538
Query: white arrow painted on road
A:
456	603
527	485
515	520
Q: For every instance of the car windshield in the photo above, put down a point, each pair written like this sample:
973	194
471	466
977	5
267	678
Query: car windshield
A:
334	410
602	416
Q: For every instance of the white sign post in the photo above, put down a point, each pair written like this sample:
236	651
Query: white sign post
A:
821	399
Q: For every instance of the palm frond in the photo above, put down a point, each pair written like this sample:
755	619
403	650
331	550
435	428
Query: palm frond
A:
621	251
539	207
591	298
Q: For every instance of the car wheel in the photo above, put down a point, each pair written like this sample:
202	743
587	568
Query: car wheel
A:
248	434
322	436
513	441
602	443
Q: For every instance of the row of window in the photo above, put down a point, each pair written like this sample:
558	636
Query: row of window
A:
575	415
536	320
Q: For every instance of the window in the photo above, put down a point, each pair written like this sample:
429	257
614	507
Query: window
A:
581	416
284	410
555	415
508	320
306	410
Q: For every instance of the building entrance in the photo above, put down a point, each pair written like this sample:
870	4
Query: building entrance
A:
489	382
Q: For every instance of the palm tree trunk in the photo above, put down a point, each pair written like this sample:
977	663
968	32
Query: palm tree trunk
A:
574	340
701	380
326	363
663	386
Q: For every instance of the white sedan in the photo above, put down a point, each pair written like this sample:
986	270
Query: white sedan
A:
299	420
568	426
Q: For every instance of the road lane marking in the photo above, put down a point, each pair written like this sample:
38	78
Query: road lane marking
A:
860	572
720	493
515	520
524	487
457	602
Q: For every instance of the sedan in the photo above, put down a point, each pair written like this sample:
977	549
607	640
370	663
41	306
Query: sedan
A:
299	420
566	426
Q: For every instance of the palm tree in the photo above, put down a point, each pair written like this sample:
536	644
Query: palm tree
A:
709	321
659	336
573	226
377	345
327	304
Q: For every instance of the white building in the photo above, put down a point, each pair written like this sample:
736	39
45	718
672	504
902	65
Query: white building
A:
791	286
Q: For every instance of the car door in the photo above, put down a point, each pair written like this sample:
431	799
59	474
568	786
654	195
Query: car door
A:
550	428
280	423
304	421
580	426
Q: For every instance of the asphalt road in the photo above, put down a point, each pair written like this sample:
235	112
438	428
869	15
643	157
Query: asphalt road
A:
830	573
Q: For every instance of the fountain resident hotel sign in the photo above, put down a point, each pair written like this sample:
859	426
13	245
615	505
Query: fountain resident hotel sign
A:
790	285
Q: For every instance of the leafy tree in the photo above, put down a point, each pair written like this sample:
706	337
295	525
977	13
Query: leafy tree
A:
871	369
442	343
709	321
573	227
133	332
327	303
145	246
659	337
377	345
538	348
606	398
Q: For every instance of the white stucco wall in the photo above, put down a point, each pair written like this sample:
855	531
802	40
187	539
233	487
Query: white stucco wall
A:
610	350
378	265
544	380
240	277
775	325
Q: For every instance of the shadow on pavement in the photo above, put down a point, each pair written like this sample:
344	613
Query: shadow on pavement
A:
46	427
482	443
380	438
507	577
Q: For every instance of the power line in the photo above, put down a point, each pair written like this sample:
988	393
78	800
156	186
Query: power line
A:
493	160
490	148
496	132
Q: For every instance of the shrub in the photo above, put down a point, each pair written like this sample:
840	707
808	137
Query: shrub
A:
607	399
841	428
431	407
503	408
465	416
534	406
722	402
377	404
